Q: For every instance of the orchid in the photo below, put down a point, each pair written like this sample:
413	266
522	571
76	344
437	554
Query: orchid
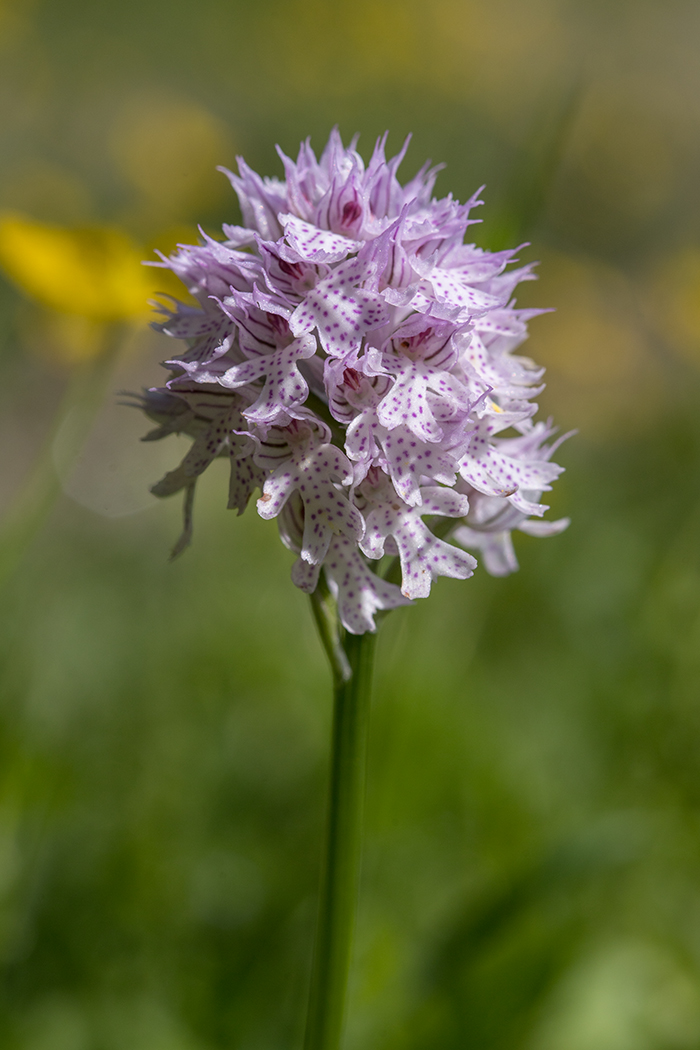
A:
356	363
351	351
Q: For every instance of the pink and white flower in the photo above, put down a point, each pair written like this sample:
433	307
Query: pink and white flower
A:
356	361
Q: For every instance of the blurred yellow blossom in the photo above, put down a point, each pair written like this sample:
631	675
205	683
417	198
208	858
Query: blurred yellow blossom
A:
95	273
593	344
674	302
169	151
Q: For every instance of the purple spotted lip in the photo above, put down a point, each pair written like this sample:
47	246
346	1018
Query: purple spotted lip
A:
355	360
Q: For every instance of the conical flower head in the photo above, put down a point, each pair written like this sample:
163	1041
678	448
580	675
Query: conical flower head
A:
356	361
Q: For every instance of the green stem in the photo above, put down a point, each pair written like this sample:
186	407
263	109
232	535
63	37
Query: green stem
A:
341	870
84	395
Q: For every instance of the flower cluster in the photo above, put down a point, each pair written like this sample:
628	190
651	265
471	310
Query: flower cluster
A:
354	359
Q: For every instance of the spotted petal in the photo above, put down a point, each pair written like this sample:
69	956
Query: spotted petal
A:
327	510
342	312
284	386
423	555
408	460
314	245
208	444
360	594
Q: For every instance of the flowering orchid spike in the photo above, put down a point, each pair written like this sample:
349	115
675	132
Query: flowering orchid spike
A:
356	362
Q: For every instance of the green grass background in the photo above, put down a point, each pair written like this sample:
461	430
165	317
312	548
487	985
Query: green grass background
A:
532	864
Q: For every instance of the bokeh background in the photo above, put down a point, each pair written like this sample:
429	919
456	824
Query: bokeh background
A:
532	866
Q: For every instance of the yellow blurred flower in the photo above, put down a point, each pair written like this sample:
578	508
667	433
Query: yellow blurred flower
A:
674	303
169	152
600	371
94	273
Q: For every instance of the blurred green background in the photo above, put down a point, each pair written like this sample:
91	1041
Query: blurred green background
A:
532	866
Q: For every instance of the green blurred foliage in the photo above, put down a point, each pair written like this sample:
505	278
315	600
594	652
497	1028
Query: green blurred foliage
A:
531	876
